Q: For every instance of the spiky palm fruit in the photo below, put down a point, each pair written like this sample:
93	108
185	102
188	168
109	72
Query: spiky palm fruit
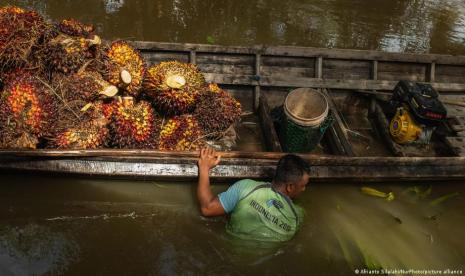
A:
89	134
20	30
14	138
125	67
73	27
133	125
84	86
28	105
67	54
174	86
217	110
181	133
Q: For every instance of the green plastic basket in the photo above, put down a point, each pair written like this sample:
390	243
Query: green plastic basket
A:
296	138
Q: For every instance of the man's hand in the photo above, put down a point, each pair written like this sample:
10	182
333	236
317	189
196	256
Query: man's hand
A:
209	204
208	159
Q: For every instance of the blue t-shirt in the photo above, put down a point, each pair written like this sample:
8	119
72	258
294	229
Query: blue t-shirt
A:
230	197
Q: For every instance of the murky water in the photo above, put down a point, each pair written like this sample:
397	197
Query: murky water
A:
98	227
436	26
52	225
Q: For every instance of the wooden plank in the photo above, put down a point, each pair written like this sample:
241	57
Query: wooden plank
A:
229	59
192	57
374	70
226	69
346	69
257	87
321	83
339	125
304	52
457	123
360	171
271	137
401	71
382	127
283	61
431	72
457	145
450	73
275	95
231	157
293	72
165	56
319	68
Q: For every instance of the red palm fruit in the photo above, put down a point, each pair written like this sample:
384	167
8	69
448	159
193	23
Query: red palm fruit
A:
67	54
89	134
85	87
125	67
173	86
181	133
73	27
28	105
217	110
20	30
134	125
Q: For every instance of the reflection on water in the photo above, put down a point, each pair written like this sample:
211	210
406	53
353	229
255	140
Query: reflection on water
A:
436	26
88	226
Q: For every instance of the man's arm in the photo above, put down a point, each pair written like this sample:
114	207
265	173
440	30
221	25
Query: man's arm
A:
209	204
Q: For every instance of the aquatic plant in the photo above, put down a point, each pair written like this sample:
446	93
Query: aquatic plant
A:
373	192
174	86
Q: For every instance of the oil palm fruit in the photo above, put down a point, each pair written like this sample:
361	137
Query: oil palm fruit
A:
134	125
20	30
83	86
125	67
181	133
73	27
67	54
174	86
14	138
216	111
89	134
27	106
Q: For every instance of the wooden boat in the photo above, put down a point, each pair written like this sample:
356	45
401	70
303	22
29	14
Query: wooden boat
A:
260	78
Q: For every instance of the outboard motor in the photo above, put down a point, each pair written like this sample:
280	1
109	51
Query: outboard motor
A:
418	112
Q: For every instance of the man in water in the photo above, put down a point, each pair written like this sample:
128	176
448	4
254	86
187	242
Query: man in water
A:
258	210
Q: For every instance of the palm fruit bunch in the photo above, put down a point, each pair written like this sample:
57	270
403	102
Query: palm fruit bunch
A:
174	86
84	86
20	30
27	108
73	27
133	125
124	67
68	54
181	133
217	110
89	134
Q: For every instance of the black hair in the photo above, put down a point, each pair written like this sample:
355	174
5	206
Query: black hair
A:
291	168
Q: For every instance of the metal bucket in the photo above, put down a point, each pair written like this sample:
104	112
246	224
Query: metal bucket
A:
306	119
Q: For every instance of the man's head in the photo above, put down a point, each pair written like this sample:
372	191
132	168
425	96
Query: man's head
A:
292	175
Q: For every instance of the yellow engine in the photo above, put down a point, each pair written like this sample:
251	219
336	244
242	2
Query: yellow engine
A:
404	129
